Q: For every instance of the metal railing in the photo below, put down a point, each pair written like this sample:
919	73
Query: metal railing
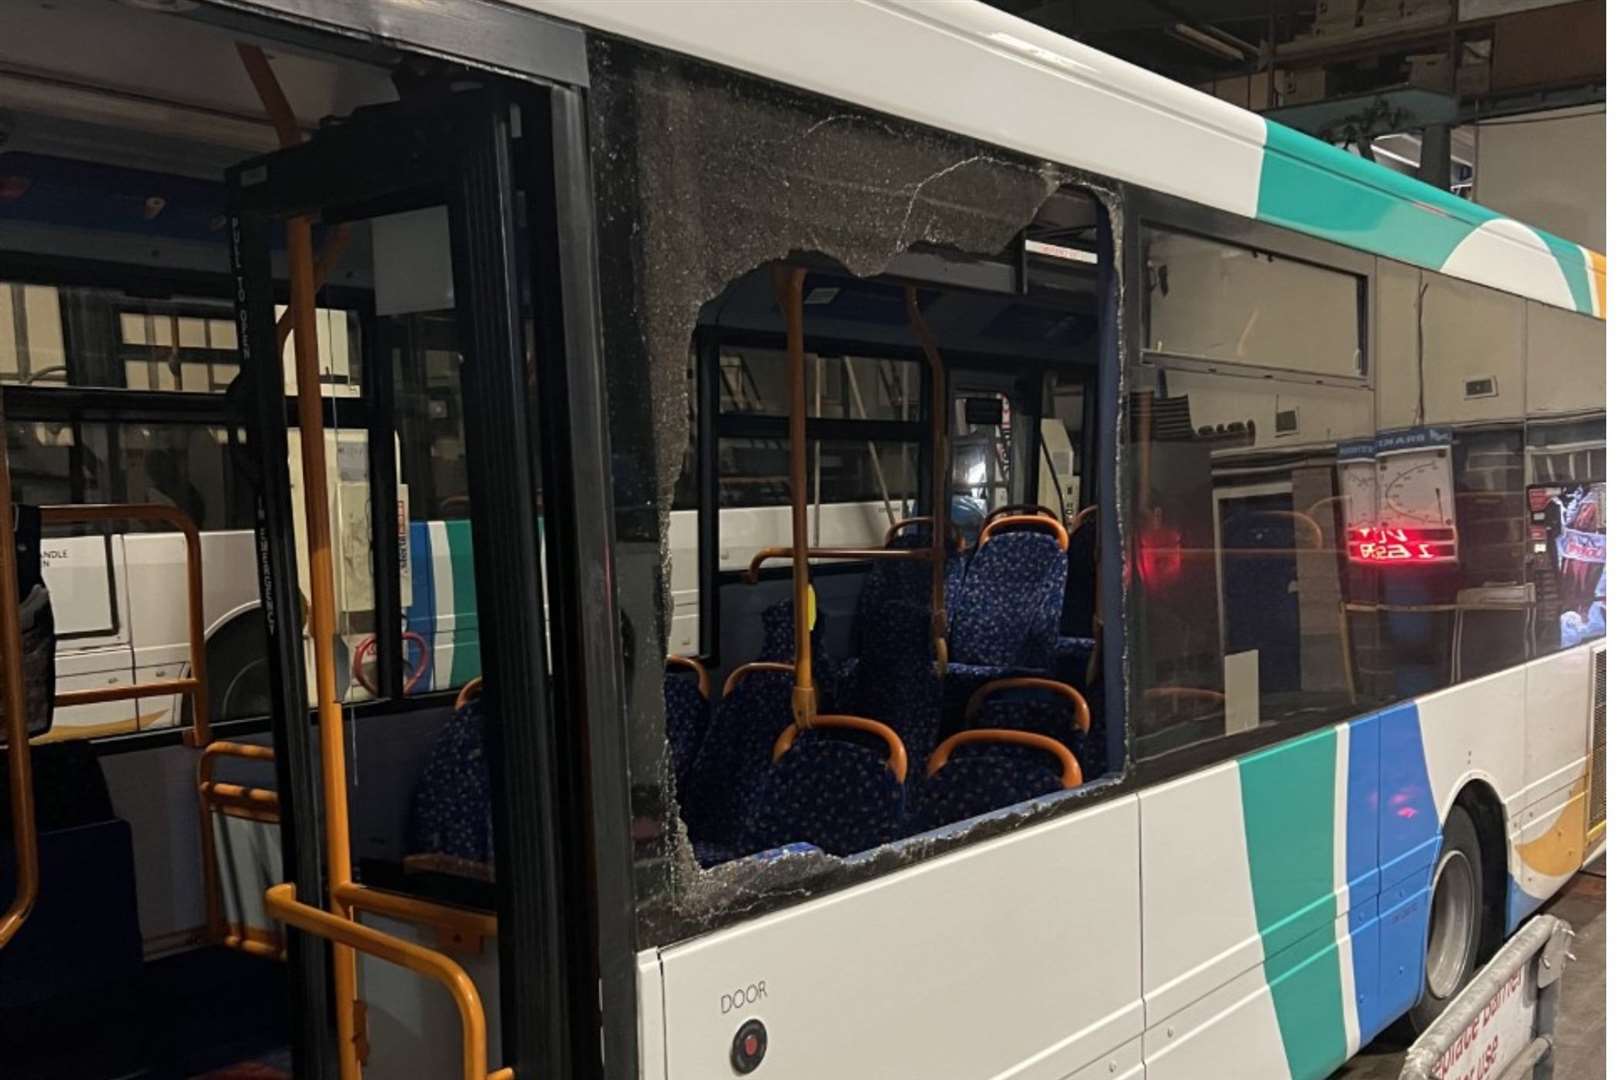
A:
1505	1013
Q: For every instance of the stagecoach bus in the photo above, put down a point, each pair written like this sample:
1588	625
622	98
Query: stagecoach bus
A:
849	540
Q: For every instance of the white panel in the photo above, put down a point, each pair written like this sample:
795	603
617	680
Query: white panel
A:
1475	730
1565	361
947	65
1018	957
78	574
414	1027
650	1007
1190	950
1395	366
1470	333
1558	685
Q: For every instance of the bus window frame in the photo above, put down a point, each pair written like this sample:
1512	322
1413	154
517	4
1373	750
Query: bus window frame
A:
1146	209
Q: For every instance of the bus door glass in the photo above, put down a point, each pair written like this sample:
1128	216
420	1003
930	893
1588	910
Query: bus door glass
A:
413	207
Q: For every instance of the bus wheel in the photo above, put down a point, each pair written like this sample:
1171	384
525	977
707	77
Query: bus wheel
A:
238	672
1456	910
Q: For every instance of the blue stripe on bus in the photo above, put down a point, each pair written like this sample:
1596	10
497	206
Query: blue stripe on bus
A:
1408	841
1361	873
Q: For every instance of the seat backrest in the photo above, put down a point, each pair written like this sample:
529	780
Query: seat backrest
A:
832	789
1010	601
686	721
735	751
451	829
895	680
778	645
983	777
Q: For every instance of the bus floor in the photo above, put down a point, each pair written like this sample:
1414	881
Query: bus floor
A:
209	1013
1578	1041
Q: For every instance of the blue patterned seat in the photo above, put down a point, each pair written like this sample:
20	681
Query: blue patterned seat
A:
735	752
450	829
1010	600
832	789
983	777
686	722
894	679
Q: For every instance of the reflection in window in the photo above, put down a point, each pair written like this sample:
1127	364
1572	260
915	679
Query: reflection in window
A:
1240	581
754	381
1218	301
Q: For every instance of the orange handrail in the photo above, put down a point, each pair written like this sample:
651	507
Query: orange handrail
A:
318	530
256	804
474	687
18	753
765	555
1021	509
906	523
1051	524
1077	701
789	283
1080	517
897	749
740	670
701	671
1072	776
941	455
196	684
282	901
462	925
1194	693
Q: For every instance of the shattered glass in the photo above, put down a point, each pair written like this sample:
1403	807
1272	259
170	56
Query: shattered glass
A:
703	175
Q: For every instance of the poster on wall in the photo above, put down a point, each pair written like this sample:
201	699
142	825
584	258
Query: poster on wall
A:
1399	499
1568	543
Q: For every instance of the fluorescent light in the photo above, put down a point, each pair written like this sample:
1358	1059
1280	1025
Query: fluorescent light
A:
1057	251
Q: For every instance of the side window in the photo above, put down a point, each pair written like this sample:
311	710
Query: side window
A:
1241	583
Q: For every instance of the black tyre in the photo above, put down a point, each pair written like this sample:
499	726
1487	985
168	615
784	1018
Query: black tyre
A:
238	672
1456	919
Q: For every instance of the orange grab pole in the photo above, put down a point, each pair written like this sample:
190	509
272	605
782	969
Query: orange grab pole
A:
741	671
1072	776
1051	524
19	757
765	555
897	750
323	601
282	901
1021	508
1077	701
692	665
789	283
941	458
265	805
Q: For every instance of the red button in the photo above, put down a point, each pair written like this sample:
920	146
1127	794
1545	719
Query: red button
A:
751	1045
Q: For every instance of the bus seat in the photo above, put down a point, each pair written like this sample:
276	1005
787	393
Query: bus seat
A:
686	713
736	750
1044	707
451	829
978	771
894	679
1011	597
834	788
1070	658
778	645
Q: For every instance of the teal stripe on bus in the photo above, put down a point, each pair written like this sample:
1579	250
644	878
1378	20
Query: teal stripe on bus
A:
464	661
1288	822
1309	185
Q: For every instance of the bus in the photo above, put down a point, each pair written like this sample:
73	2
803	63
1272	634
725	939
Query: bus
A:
931	584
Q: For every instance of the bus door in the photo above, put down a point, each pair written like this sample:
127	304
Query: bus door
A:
438	885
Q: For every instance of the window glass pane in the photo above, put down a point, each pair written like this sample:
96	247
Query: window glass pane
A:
1567	510
1218	301
436	587
840	387
1239	576
337	340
